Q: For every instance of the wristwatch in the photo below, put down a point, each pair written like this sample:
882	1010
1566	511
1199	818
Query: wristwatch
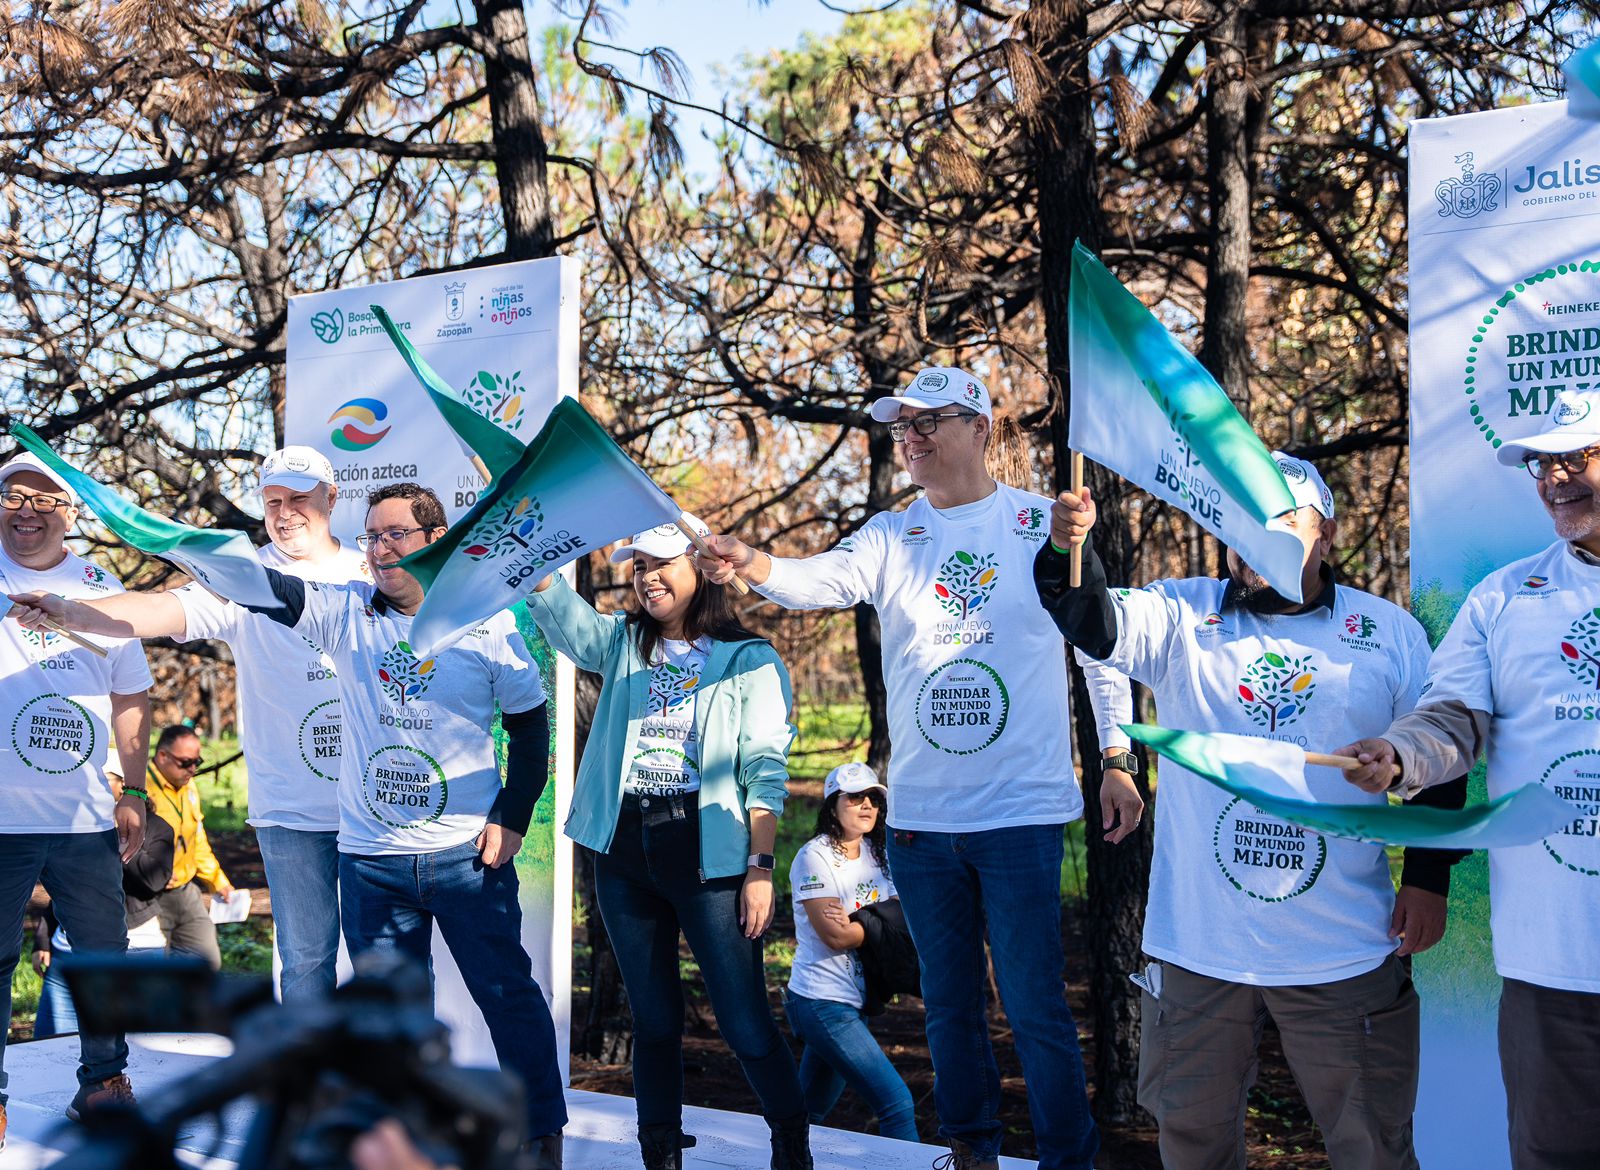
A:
1123	761
762	861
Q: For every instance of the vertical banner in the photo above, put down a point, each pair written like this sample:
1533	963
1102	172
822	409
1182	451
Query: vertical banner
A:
1505	313
506	339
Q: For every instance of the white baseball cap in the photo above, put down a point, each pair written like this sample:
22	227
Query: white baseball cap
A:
27	461
297	468
851	777
1306	484
664	541
1572	424
933	387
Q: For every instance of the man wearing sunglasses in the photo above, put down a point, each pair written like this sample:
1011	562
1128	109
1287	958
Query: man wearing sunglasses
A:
289	712
1517	678
60	709
184	907
981	783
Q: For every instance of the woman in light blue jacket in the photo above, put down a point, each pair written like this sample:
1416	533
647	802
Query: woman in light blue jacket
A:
678	794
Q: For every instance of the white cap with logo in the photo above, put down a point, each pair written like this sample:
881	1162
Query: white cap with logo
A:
934	387
664	541
851	777
297	468
1572	424
1306	484
28	461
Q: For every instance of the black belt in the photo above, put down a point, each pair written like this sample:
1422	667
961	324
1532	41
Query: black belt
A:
657	810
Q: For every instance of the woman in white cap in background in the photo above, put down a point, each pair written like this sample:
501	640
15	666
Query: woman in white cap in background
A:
836	873
679	791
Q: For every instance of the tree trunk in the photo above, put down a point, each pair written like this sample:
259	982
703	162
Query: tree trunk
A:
520	152
1225	349
1063	143
869	635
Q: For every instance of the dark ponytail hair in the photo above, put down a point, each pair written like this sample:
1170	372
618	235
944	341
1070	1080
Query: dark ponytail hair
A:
828	825
710	615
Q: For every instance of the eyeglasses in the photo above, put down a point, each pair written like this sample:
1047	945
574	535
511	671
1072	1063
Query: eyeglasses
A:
13	501
389	536
1539	466
189	764
925	424
869	796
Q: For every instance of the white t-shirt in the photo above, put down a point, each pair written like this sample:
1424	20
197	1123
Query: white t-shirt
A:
288	696
1235	893
975	670
418	772
666	756
55	707
1525	648
819	871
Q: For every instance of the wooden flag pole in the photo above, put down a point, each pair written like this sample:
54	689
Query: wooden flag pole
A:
1344	763
1075	565
70	635
482	469
699	542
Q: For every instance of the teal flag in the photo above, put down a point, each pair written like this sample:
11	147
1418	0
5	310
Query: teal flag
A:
1583	82
221	559
1271	776
1143	406
571	491
477	435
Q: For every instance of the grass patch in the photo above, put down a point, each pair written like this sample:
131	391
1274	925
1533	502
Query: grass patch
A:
224	794
25	985
246	946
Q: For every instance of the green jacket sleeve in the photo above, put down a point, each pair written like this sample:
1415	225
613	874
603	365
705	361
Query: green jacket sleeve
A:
764	728
572	626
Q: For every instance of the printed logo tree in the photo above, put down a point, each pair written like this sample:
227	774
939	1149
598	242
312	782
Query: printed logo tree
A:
505	529
496	397
1030	517
1581	649
41	639
671	686
402	676
965	582
1360	625
1275	689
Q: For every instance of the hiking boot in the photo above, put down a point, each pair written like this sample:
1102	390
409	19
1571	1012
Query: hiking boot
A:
546	1152
2	1125
111	1093
961	1157
791	1143
662	1146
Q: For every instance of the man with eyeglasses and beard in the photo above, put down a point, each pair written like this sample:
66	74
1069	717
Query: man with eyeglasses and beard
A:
61	707
184	907
981	784
1517	678
427	832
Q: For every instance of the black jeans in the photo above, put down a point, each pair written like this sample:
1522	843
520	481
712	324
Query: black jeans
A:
649	888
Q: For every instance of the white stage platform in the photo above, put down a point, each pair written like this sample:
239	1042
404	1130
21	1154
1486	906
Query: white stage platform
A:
599	1136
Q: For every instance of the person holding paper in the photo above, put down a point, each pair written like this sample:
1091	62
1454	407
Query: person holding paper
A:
981	784
61	705
1250	916
1517	678
679	793
184	907
427	831
289	713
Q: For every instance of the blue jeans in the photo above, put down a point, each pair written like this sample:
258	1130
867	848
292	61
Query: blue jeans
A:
83	875
390	905
56	1015
952	886
840	1051
649	888
302	869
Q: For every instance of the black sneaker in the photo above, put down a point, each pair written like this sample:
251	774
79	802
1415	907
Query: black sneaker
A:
111	1093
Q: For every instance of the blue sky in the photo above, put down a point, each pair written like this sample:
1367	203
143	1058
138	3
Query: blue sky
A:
706	34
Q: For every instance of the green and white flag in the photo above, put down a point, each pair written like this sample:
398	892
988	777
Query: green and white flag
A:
1143	406
1582	71
571	491
1272	776
221	559
476	434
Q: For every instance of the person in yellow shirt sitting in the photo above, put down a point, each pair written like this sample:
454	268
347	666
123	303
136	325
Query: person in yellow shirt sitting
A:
184	908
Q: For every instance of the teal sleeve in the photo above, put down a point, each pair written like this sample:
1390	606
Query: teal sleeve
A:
765	732
571	625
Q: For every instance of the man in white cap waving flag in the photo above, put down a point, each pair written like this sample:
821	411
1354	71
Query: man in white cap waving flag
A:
1250	915
1517	678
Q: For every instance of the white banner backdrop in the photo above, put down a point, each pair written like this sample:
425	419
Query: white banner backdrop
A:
1505	313
506	338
